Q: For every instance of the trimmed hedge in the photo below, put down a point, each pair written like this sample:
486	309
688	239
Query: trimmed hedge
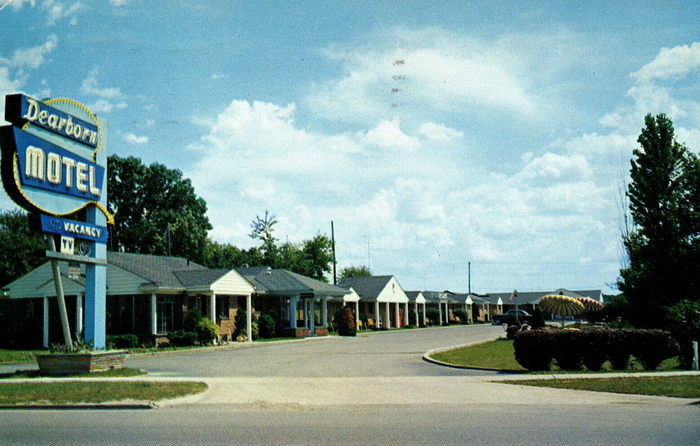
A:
123	341
571	349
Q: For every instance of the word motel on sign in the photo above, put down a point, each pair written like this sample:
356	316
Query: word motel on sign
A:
61	170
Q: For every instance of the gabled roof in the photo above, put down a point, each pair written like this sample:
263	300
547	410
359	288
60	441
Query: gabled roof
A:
158	271
366	287
434	296
281	281
194	278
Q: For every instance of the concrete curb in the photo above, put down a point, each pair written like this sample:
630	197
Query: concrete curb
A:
110	406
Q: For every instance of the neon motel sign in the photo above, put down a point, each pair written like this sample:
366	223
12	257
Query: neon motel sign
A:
53	165
50	162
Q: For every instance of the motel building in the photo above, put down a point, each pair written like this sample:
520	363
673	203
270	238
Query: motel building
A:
381	299
150	296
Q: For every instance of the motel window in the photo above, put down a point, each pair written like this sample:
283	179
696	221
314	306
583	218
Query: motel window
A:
166	314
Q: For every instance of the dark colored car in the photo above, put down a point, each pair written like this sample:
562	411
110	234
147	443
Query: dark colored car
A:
499	319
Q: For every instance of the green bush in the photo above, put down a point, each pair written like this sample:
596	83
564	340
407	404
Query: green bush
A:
266	326
533	349
346	323
619	348
181	338
123	341
650	347
511	331
433	315
594	346
241	325
462	315
207	331
684	320
567	348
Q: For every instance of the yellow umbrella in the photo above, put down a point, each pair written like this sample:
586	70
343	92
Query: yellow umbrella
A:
561	305
591	304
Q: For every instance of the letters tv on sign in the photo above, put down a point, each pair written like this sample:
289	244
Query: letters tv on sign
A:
51	159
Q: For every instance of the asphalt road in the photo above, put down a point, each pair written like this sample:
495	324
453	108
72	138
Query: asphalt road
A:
405	425
391	353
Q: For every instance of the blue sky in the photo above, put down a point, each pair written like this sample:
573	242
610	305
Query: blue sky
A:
492	132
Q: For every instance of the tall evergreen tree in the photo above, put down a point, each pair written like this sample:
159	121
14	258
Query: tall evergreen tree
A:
663	244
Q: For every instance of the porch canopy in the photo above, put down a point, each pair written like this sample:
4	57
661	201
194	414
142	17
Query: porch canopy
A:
295	297
382	299
417	298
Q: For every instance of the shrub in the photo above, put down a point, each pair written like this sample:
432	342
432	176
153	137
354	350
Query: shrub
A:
650	347
123	341
511	331
266	326
433	315
684	319
346	323
594	346
207	331
533	349
567	349
462	315
240	321
619	348
181	338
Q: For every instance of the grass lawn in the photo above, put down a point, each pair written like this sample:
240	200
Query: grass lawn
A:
19	356
94	392
496	354
677	386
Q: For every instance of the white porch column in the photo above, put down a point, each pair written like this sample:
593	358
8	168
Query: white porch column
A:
388	315
357	314
293	312
249	317
212	307
415	309
324	312
78	315
424	322
154	314
406	319
376	314
312	316
440	309
45	327
397	315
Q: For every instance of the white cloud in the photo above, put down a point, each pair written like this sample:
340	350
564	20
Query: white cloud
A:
670	63
32	57
118	3
388	135
105	106
134	139
217	76
439	132
58	10
555	166
89	87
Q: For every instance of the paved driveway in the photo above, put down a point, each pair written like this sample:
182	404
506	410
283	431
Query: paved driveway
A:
382	354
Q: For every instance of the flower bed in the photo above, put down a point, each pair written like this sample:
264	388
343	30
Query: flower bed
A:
76	363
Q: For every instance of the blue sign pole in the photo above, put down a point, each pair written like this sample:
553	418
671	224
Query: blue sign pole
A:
54	163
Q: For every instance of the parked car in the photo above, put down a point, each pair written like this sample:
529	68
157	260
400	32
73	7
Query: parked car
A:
499	319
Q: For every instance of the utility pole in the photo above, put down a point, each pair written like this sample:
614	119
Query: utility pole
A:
335	280
469	277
